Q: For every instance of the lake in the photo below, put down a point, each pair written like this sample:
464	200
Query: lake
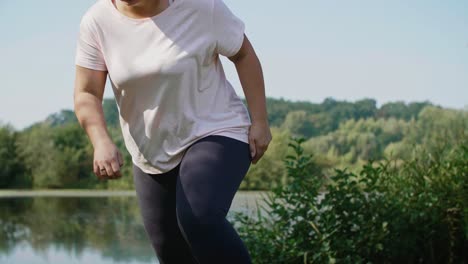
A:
98	227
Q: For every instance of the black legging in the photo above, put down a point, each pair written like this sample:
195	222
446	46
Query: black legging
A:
184	210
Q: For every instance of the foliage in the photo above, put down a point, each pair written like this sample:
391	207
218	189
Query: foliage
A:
56	153
12	173
400	110
57	157
111	112
417	212
358	140
61	118
298	123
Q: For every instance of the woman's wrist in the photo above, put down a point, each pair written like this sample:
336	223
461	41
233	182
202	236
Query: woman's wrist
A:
103	141
258	113
98	135
260	121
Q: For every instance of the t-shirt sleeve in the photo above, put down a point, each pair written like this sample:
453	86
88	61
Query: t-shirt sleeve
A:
88	50
228	29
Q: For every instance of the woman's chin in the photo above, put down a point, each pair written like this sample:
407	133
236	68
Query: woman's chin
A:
130	2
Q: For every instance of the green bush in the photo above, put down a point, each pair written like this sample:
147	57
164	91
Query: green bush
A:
415	212
12	171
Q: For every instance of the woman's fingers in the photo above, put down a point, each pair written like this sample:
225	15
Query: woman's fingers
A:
109	172
260	149
110	169
115	168
120	158
107	161
96	169
102	173
259	138
253	149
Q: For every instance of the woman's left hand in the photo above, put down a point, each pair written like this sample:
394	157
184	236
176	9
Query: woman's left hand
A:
259	139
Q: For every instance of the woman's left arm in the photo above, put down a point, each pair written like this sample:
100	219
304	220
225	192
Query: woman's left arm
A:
251	77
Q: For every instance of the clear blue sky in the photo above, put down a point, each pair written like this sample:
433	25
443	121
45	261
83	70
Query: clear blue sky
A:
387	50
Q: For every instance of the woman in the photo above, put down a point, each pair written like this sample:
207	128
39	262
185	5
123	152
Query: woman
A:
191	138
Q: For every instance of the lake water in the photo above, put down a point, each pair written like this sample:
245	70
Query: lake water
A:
80	227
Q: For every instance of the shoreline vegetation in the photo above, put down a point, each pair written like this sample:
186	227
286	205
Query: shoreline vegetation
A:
64	193
246	201
11	193
56	153
410	212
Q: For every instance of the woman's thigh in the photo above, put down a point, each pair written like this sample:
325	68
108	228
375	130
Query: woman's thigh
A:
210	174
156	199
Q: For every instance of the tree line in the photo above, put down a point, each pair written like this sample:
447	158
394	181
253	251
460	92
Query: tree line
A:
56	152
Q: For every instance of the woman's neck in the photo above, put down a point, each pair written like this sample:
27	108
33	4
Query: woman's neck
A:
141	8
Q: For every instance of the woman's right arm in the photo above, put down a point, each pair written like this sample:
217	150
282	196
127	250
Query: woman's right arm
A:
88	96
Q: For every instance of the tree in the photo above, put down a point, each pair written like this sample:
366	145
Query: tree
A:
111	113
73	162
365	108
59	157
12	174
298	123
61	118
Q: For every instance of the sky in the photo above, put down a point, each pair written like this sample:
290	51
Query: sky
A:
396	50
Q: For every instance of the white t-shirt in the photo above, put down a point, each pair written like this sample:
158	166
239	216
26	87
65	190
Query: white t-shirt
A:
166	75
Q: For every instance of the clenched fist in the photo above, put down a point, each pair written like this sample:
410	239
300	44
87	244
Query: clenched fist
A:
107	160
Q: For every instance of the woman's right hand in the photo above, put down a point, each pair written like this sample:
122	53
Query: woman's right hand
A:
88	96
107	160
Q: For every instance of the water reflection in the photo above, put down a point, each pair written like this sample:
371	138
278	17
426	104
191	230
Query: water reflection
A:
76	230
110	226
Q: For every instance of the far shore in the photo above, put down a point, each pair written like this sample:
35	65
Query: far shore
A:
10	193
245	201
